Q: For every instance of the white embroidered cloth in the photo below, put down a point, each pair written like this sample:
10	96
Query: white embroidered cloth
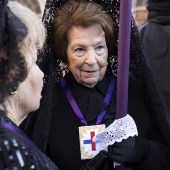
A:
117	131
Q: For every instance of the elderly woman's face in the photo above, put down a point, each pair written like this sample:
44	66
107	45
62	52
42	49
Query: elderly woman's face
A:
87	54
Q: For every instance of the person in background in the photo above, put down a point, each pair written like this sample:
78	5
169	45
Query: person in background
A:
82	35
21	82
155	35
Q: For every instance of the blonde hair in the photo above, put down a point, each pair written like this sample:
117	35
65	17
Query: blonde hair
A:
36	30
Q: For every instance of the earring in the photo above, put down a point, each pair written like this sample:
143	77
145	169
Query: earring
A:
14	92
63	65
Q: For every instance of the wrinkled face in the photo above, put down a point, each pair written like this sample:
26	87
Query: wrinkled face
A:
87	54
30	89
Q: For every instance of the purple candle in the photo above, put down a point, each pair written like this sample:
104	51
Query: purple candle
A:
123	61
123	57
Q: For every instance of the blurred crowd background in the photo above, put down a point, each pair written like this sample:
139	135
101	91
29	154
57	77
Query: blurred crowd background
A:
139	11
138	8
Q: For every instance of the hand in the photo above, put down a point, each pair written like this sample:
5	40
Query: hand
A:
134	149
94	163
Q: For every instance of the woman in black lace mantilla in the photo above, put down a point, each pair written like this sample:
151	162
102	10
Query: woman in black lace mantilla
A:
19	42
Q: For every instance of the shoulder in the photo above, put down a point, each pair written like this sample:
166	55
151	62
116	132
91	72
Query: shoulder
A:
13	152
17	153
142	27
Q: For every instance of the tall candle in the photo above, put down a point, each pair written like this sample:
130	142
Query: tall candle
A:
123	57
123	61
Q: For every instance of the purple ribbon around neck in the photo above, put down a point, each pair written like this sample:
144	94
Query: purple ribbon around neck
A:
76	108
17	130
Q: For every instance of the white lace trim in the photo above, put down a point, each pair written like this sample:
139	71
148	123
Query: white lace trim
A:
117	131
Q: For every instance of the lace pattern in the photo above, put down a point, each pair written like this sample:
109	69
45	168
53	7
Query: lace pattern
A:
13	69
117	131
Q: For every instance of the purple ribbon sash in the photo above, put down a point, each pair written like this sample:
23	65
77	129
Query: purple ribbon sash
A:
76	108
18	131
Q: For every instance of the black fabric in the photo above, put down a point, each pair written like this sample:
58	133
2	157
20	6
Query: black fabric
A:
159	6
96	162
68	123
151	1
63	140
88	98
18	153
13	68
155	36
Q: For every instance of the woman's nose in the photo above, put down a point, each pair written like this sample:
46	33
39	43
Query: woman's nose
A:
91	57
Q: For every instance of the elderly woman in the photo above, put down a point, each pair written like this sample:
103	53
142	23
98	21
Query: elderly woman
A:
21	82
82	34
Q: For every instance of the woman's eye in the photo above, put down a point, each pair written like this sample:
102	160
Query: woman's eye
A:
99	47
79	49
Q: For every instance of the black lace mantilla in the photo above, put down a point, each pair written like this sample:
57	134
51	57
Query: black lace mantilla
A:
13	68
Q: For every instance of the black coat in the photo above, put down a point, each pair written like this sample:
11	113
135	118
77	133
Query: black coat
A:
155	35
17	152
59	129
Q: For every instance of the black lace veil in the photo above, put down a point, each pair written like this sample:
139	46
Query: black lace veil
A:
139	67
13	68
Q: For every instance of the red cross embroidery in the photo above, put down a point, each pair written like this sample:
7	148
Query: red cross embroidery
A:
93	144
